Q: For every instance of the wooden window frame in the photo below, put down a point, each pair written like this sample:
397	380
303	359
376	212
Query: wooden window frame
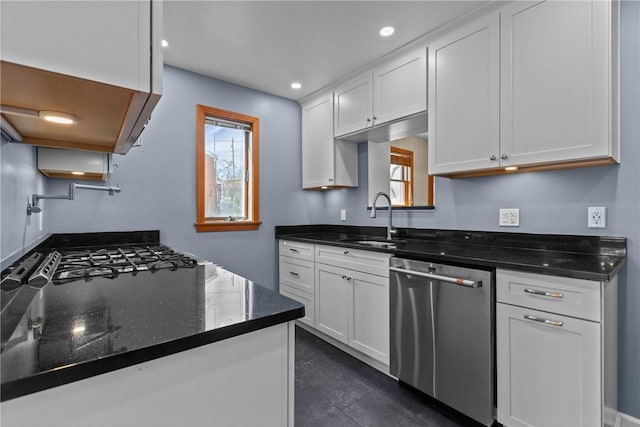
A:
204	224
408	184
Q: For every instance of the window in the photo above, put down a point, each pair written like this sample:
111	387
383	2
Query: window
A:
401	177
227	170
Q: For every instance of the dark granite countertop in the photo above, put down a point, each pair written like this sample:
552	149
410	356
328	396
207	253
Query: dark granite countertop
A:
584	257
71	331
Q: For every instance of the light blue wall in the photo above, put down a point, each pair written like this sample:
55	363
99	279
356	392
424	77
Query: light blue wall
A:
159	179
19	179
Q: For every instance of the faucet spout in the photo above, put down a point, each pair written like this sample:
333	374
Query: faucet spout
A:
390	228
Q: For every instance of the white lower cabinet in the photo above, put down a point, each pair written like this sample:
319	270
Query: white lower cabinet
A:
334	299
547	375
353	307
370	318
297	279
345	293
555	350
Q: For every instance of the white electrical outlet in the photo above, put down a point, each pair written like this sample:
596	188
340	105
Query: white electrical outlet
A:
597	217
343	214
509	218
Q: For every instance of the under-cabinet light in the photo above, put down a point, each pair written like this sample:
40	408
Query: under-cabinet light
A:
58	117
77	173
511	168
324	187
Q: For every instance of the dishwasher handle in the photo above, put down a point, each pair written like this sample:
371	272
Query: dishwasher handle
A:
455	280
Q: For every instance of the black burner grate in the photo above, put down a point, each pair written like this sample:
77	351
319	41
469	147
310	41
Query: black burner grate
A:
110	263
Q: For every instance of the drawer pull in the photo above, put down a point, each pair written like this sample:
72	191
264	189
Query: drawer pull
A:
346	277
542	293
294	274
546	321
293	250
346	252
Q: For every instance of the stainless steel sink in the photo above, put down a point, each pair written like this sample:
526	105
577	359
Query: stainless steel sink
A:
375	243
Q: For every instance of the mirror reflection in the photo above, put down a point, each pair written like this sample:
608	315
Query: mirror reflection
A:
399	168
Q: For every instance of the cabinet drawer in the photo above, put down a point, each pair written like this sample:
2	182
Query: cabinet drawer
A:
563	295
305	298
297	249
366	261
297	273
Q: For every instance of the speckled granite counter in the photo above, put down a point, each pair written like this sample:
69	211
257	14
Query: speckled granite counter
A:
584	257
71	331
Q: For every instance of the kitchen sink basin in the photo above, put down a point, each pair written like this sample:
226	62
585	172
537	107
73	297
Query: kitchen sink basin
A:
374	243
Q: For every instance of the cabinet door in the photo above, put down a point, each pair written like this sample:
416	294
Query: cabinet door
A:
547	375
353	105
370	318
333	301
464	98
78	39
556	97
318	168
400	86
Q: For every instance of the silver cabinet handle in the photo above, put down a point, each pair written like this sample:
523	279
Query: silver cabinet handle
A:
543	293
545	321
346	277
346	252
454	280
493	158
504	156
368	119
293	250
375	118
294	274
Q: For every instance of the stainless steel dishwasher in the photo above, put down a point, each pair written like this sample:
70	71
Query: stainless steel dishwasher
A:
442	334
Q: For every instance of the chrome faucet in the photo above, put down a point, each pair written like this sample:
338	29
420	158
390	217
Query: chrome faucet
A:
390	228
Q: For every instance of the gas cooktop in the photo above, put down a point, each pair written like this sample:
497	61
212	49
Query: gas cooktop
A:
66	266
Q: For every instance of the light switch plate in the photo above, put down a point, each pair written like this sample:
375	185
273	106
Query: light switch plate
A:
343	214
509	218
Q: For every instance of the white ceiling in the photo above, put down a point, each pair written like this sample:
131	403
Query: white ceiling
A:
266	45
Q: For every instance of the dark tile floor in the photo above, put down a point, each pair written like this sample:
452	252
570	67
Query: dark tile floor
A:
334	389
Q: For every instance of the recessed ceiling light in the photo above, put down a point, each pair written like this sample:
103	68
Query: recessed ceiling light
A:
57	117
387	31
296	85
165	43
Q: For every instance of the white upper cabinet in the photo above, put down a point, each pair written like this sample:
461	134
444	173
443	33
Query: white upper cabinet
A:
464	115
556	82
353	105
400	86
392	90
100	61
532	86
325	163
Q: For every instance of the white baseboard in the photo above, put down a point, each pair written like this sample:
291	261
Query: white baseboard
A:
624	420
